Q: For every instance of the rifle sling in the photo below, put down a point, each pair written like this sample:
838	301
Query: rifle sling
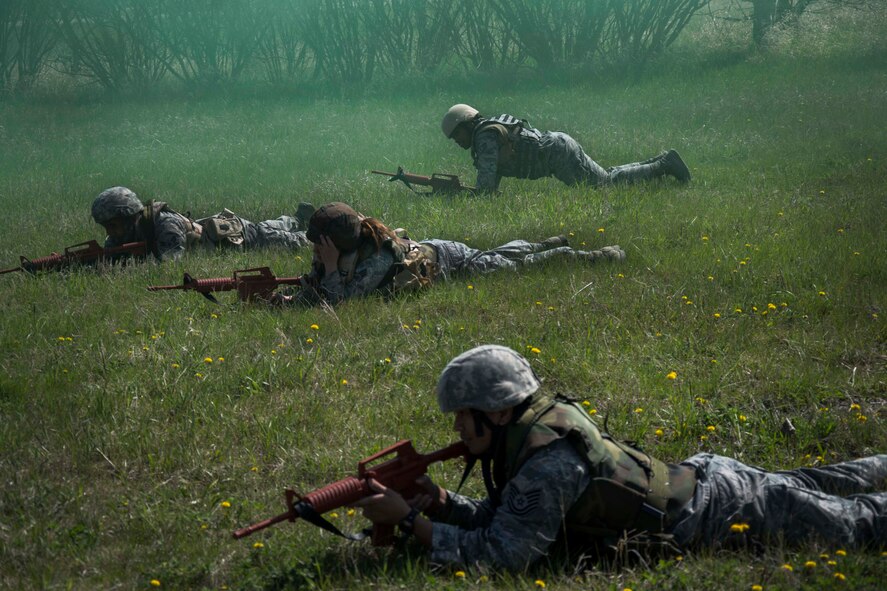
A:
308	513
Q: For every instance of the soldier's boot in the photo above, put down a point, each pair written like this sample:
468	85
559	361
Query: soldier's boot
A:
303	214
667	163
607	253
554	242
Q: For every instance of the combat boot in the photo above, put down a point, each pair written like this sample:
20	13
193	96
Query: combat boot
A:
607	253
555	241
672	164
303	214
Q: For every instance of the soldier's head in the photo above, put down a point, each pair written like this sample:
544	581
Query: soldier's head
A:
458	124
338	222
482	386
116	209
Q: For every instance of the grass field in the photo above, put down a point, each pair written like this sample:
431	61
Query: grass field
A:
139	429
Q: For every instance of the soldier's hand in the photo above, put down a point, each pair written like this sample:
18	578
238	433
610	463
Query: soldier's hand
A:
432	499
328	254
386	507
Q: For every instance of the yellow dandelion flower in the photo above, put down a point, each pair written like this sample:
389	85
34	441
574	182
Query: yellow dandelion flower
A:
788	567
592	412
716	315
771	306
344	382
204	526
659	432
738	310
175	366
639	410
535	350
470	287
314	327
822	293
207	359
742	263
198	375
258	545
484	578
540	583
714	360
841	552
388	360
214	316
742	418
672	375
309	340
155	583
823	556
460	574
703	438
711	428
221	360
351	513
855	406
689	302
780	214
586	403
600	230
705	238
810	564
225	504
832	563
856	253
620	275
840	576
679	558
840	230
538	303
254	469
861	418
551	308
274	351
334	515
757	588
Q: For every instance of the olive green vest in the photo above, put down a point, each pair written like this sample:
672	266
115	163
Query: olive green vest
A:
628	489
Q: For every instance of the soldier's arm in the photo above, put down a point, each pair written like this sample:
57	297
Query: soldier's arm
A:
169	232
486	147
529	519
367	276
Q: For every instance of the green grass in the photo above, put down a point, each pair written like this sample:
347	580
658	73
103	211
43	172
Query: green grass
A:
117	455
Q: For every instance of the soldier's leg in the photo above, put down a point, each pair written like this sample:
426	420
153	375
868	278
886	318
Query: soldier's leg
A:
571	165
666	163
846	478
612	253
284	231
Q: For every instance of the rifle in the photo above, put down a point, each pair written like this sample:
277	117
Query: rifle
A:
85	253
399	473
439	183
251	284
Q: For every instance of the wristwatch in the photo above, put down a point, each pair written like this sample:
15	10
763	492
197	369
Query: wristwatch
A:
407	523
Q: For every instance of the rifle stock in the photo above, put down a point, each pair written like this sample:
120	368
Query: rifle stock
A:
439	183
396	467
85	253
251	284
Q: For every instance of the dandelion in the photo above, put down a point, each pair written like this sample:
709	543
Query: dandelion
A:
600	230
771	306
672	375
484	578
214	316
780	214
351	513
711	428
757	588
638	410
551	308
701	400
716	315
823	556
586	403
840	230
742	263
689	302
460	574
620	275
788	567
703	438
840	576
258	545
822	294
659	432
535	350
742	418
309	340
861	418
738	310
538	303
571	234
469	287
344	382
540	583
832	563
714	361
221	360
705	238
810	564
856	253
314	327
207	360
198	375
854	406
710	278
678	558
274	351
841	552
334	515
592	411
204	526
738	528
225	504
155	583
387	360
254	469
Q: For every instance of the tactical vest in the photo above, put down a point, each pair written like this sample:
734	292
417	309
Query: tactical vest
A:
509	131
146	226
415	265
629	490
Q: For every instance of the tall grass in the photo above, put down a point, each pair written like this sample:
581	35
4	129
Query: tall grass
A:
138	429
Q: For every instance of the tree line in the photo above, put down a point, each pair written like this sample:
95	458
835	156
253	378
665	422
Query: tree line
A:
130	45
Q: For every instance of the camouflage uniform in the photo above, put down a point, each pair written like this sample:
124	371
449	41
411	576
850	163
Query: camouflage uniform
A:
543	496
527	153
456	257
171	231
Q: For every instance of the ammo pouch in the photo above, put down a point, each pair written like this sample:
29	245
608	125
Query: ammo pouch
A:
613	505
224	228
417	270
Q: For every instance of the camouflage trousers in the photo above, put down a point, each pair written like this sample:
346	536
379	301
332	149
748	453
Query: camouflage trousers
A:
835	503
570	164
456	257
284	231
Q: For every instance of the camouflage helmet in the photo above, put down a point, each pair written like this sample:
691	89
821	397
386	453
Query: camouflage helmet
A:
339	222
455	116
488	378
116	202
